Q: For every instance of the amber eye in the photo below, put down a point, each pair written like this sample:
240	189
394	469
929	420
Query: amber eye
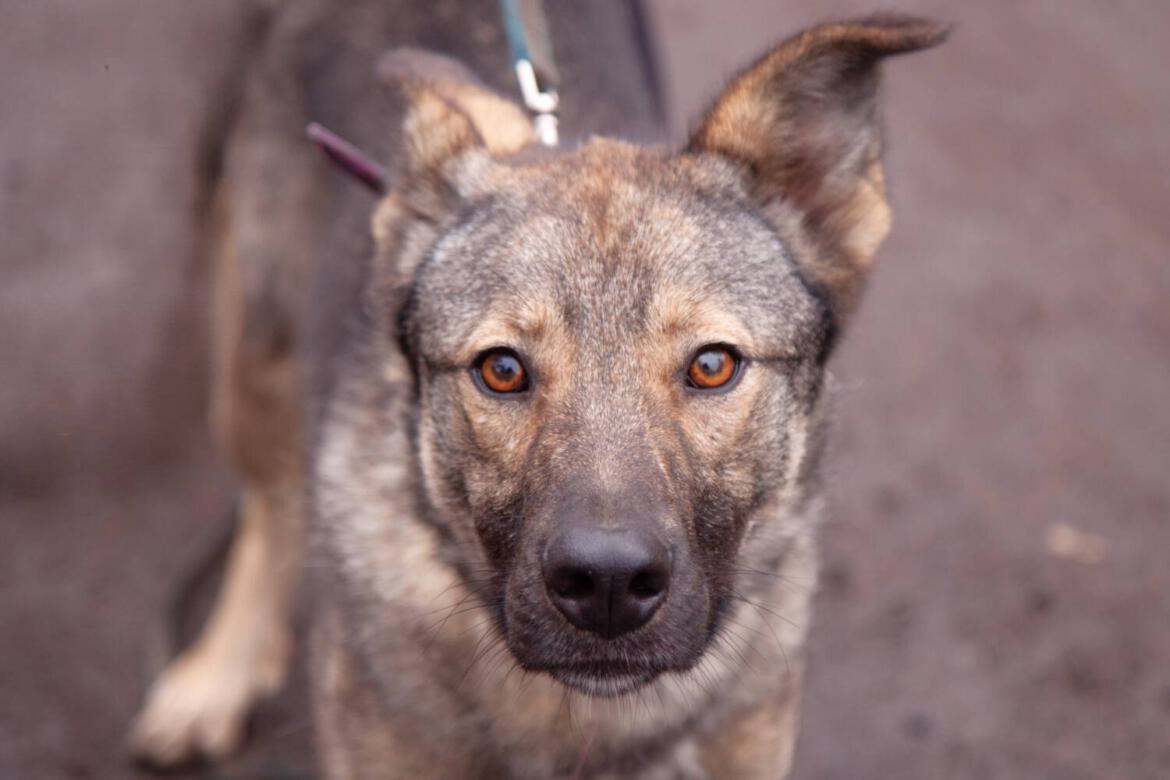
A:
713	367
502	371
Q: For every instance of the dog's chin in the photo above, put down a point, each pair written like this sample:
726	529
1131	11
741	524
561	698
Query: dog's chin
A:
607	685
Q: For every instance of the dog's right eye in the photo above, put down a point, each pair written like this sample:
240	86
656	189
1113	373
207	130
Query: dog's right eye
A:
714	367
502	371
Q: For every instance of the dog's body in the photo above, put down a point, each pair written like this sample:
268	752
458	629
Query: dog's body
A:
560	433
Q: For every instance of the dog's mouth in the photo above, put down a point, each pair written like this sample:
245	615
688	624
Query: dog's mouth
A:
603	681
543	640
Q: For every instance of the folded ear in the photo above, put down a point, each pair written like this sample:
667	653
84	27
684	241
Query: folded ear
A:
803	124
449	113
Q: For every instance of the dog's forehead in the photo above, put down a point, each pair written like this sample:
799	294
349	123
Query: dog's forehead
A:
608	241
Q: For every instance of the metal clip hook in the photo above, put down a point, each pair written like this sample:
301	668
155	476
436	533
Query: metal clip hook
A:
542	103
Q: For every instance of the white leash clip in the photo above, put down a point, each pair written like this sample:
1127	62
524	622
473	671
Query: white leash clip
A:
542	103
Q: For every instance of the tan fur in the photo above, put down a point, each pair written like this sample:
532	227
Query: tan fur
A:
756	744
775	118
502	126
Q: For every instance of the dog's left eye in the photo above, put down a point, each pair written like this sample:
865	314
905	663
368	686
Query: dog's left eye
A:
713	367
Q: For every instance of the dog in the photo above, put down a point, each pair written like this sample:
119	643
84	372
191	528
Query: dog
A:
552	418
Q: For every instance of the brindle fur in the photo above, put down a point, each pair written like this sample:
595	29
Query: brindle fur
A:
605	265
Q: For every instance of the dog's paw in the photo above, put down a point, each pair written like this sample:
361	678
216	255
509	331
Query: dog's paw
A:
199	706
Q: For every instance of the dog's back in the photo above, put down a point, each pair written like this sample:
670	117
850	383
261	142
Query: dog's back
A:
318	64
293	244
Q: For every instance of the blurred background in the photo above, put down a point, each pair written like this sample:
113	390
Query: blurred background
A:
996	592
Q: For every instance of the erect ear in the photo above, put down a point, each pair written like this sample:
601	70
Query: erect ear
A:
453	124
802	122
449	113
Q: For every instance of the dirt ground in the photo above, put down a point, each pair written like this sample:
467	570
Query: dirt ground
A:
996	597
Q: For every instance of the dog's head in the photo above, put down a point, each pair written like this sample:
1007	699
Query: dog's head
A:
618	352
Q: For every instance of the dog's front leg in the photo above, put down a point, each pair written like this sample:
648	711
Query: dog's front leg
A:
199	705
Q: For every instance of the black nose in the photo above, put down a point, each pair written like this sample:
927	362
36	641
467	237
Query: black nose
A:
607	582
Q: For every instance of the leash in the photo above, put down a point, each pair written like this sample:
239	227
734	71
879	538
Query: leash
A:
532	60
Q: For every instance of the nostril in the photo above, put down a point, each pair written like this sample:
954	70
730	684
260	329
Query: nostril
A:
572	584
648	584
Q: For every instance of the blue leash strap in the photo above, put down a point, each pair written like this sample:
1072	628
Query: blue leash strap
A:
524	22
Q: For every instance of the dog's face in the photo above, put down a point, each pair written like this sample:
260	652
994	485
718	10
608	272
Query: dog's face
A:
617	361
618	353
